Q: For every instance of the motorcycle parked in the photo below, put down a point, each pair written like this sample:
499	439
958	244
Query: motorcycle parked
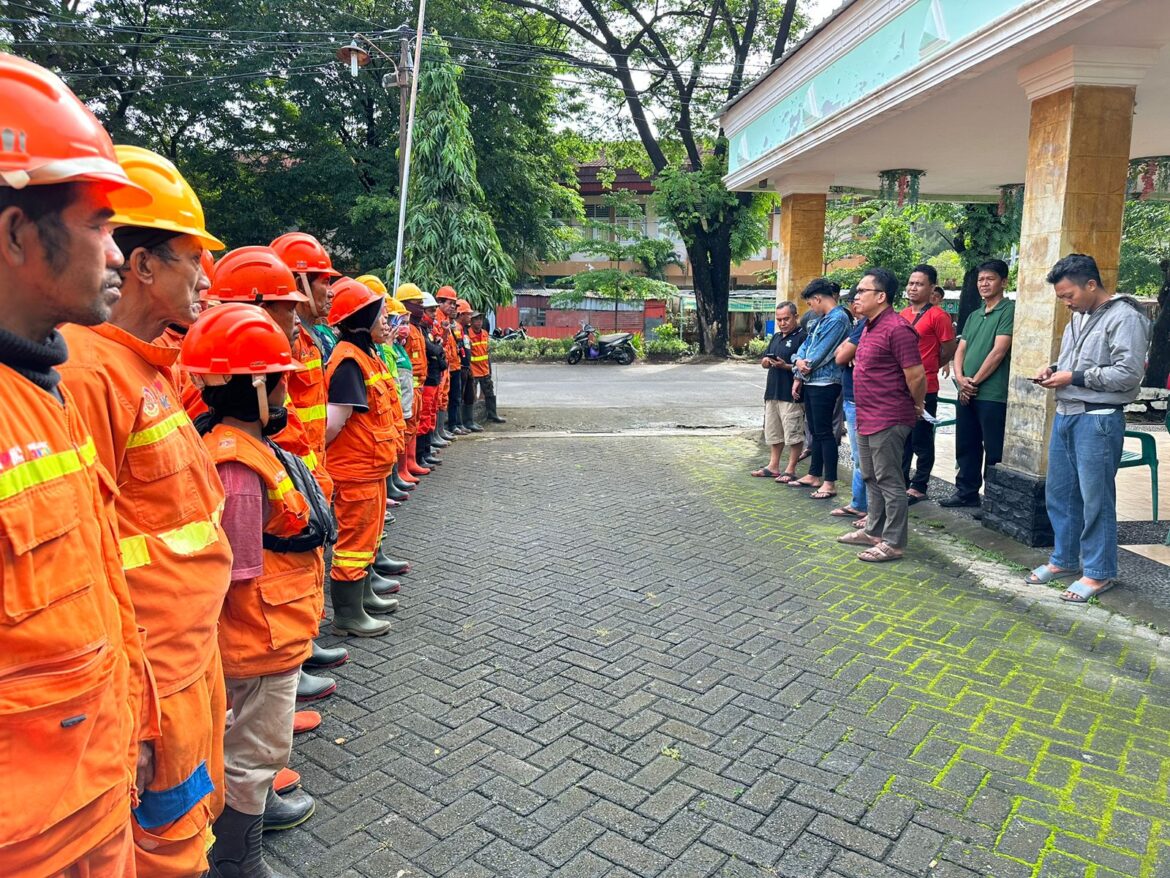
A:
588	345
505	334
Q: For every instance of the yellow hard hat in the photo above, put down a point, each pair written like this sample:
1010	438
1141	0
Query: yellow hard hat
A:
408	293
175	208
374	283
393	306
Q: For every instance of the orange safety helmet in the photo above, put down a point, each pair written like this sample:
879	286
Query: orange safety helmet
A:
446	293
462	306
302	252
48	136
253	274
236	339
349	297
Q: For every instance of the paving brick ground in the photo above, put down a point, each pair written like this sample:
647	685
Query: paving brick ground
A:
623	657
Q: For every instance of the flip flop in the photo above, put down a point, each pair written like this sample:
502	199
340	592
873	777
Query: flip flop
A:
764	473
880	554
797	483
822	495
785	478
1042	575
861	522
1084	591
858	538
846	512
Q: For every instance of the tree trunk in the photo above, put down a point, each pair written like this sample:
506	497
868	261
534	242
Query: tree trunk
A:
969	299
710	257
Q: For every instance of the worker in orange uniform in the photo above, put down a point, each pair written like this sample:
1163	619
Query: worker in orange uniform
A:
314	271
174	552
362	450
76	697
172	337
457	354
463	312
277	521
448	302
257	275
481	376
428	452
399	319
415	344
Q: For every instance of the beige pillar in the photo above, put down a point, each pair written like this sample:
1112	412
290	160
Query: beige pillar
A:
1082	103
802	245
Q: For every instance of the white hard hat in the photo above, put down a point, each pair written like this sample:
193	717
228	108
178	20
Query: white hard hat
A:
429	301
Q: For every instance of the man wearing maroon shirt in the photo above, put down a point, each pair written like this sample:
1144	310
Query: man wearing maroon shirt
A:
936	344
889	390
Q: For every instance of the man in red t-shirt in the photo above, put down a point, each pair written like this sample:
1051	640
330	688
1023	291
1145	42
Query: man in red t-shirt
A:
936	344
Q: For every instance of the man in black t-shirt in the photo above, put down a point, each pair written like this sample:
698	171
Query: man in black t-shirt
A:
783	414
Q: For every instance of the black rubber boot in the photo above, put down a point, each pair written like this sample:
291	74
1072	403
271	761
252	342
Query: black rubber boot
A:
323	659
386	566
384	585
349	617
393	492
310	688
372	602
492	415
238	851
469	419
441	427
285	812
400	483
437	440
426	455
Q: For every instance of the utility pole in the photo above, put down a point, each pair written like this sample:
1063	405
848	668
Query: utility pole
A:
402	76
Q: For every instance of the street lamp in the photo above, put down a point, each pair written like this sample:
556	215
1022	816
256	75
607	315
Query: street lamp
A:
405	75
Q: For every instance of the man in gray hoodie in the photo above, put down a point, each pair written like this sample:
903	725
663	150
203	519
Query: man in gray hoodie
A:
1102	361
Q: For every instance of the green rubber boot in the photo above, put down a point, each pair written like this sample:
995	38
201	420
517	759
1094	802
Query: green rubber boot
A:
349	616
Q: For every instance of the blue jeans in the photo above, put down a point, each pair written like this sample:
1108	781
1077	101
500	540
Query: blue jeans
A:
858	501
1081	492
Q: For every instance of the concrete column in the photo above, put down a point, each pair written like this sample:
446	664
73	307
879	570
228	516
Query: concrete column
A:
1074	195
802	245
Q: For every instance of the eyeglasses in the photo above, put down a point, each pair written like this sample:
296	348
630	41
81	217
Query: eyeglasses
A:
861	290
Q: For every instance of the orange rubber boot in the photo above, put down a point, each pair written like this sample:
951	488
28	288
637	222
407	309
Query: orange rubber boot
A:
412	465
404	469
286	780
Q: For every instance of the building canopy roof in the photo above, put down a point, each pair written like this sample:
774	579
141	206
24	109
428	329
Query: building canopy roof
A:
941	86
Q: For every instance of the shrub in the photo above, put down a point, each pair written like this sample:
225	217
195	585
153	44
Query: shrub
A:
756	347
665	332
673	347
639	345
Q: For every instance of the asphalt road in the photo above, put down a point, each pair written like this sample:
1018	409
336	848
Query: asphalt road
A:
605	397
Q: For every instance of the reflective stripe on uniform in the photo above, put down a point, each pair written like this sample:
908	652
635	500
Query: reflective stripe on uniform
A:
311	413
353	559
280	490
310	460
379	376
134	552
315	363
159	431
479	359
40	470
185	540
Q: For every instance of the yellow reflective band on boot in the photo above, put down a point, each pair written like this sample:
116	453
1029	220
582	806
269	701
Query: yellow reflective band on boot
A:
159	431
41	470
135	554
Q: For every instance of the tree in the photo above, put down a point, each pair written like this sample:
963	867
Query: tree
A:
450	238
621	244
657	61
1145	271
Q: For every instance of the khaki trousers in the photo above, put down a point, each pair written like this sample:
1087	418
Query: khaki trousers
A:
258	740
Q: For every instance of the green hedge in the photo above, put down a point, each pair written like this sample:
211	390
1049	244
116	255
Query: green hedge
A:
530	350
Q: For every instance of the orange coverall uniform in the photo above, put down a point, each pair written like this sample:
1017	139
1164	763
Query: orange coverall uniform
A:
307	391
360	458
268	623
178	563
481	367
416	349
445	328
76	696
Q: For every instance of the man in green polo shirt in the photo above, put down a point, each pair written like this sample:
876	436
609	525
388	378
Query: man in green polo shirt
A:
982	367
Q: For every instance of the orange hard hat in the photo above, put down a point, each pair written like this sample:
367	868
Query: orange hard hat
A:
349	297
302	252
48	136
462	306
207	263
236	339
253	274
446	292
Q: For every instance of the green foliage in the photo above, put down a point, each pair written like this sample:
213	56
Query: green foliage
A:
667	343
846	277
450	237
756	347
638	343
530	350
1145	241
949	267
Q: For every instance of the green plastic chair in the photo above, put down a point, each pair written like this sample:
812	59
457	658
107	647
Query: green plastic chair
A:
1147	457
